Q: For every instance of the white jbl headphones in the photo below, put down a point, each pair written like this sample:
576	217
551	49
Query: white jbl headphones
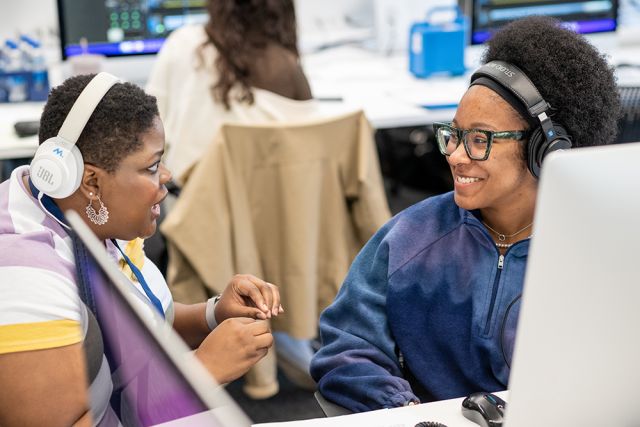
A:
57	166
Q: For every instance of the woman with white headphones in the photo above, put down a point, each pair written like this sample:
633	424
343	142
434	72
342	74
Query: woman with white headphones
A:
101	151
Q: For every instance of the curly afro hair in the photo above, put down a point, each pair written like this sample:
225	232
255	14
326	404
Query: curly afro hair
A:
569	73
114	129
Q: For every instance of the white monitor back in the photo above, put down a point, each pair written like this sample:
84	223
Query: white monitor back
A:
393	20
577	347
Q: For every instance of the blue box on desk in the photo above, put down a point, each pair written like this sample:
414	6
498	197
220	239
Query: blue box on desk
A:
438	48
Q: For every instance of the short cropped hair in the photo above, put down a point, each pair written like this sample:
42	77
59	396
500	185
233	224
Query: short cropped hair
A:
571	75
115	127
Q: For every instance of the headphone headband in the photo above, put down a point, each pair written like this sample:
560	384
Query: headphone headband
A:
85	105
546	136
517	82
57	166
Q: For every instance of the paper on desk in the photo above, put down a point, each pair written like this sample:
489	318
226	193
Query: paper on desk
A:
12	146
436	92
446	412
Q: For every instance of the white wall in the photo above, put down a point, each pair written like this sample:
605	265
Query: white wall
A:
35	17
393	19
321	22
38	17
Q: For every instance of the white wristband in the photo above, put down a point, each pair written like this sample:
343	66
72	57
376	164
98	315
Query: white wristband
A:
210	312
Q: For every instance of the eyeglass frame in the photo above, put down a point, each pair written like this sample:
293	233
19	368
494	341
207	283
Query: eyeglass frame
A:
461	134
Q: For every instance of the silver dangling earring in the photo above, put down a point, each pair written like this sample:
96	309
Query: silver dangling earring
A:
101	217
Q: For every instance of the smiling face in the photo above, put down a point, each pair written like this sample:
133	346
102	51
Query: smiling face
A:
134	191
502	182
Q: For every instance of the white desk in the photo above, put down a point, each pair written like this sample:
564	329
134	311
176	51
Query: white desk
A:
392	97
446	412
12	146
380	85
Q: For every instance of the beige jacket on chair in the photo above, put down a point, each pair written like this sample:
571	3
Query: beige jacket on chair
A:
292	204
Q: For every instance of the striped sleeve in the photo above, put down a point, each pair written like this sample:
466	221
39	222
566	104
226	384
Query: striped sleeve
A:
39	309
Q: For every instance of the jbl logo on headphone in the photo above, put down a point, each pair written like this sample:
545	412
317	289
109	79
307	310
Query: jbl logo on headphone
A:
45	175
57	166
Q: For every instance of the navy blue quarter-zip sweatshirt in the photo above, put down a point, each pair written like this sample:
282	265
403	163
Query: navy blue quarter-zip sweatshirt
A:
430	285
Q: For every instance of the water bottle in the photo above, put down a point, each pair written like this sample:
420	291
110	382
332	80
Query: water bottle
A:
37	65
15	79
3	59
4	93
25	48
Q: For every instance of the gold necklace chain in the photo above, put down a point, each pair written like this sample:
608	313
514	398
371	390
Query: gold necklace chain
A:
502	237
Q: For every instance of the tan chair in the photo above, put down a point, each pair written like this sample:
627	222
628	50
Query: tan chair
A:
292	204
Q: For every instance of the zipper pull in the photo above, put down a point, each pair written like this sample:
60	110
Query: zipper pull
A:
501	262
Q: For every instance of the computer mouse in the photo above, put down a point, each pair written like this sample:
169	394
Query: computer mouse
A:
484	409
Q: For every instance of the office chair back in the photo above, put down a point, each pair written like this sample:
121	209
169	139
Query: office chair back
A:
629	123
329	408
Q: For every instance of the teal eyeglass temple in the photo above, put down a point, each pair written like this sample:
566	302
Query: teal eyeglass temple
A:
461	135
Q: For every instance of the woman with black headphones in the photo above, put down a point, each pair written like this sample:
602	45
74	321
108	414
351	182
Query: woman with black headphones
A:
428	310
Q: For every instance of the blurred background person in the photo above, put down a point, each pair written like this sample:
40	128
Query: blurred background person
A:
242	66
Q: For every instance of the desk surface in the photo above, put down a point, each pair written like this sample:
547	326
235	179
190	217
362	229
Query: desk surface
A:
392	97
360	79
446	412
382	86
12	146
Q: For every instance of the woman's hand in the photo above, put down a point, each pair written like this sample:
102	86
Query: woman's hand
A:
233	347
248	296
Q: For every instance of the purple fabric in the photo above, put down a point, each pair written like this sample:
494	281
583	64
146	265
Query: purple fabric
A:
39	247
36	248
6	224
161	393
431	285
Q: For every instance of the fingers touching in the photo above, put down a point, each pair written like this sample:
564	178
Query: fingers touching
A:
264	295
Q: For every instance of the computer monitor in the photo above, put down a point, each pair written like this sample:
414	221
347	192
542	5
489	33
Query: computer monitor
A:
576	353
590	16
123	27
162	381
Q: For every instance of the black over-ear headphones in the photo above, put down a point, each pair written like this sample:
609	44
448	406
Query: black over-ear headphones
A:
547	136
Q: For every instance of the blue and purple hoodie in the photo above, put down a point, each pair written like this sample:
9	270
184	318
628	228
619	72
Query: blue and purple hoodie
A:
429	298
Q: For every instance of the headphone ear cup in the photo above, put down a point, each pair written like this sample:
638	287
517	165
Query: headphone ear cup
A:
539	147
533	147
57	168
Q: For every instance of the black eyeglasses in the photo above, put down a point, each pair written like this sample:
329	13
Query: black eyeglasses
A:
477	142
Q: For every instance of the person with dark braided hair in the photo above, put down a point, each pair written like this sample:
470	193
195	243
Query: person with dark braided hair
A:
429	308
242	66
